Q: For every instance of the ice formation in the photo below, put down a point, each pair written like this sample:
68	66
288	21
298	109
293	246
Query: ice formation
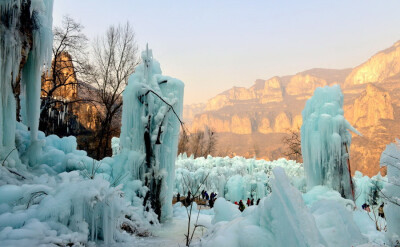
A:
39	58
368	189
64	197
234	178
284	219
325	141
391	159
34	19
150	130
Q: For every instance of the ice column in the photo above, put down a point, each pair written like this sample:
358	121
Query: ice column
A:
25	33
10	56
38	59
325	141
391	158
150	130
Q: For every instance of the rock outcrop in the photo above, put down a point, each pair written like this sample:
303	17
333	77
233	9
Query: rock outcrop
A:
261	92
371	106
378	68
304	84
268	91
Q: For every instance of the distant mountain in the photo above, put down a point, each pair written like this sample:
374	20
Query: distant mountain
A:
379	68
252	121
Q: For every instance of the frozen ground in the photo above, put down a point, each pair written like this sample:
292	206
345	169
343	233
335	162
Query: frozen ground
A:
172	232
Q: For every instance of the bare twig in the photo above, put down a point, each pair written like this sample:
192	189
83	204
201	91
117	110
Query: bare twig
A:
7	156
35	195
189	235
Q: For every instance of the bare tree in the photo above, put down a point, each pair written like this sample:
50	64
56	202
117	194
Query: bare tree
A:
115	58
193	192
183	144
199	143
59	86
210	143
293	145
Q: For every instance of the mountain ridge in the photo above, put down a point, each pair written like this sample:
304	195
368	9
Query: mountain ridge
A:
273	107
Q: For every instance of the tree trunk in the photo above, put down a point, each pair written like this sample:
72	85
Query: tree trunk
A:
101	137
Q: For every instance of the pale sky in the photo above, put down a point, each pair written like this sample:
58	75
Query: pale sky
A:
215	45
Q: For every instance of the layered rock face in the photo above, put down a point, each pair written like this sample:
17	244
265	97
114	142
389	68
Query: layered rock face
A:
371	106
261	92
379	68
251	122
304	84
68	89
67	92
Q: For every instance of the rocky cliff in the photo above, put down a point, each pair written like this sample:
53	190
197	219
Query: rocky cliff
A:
379	68
252	121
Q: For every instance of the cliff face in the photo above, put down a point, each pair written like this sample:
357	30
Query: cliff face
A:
79	114
68	77
379	68
304	84
253	121
261	92
268	91
371	106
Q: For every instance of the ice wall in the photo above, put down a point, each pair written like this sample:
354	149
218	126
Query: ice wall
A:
25	29
325	141
10	56
150	130
391	159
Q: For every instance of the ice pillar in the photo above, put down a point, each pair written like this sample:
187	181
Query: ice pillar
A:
150	130
325	141
391	158
25	44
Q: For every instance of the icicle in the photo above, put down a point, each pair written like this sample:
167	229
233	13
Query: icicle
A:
39	56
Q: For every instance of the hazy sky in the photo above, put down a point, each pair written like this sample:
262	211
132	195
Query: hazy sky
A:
214	45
